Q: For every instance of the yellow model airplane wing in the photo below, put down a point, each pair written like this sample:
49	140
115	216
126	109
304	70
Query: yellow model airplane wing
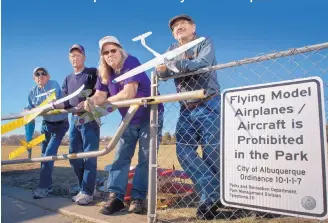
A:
26	145
26	119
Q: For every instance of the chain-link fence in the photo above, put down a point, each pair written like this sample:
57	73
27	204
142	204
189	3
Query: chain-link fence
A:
188	185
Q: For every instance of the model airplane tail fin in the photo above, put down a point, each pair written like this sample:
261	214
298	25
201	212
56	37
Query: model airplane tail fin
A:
142	36
142	39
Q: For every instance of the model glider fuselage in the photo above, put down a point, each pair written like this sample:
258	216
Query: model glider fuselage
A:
159	58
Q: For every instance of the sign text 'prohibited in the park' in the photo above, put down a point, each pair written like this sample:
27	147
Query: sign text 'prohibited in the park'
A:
273	148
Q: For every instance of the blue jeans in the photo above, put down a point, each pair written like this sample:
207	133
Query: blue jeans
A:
119	170
84	138
118	173
201	126
54	133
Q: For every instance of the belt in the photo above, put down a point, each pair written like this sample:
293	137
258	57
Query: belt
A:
55	123
192	105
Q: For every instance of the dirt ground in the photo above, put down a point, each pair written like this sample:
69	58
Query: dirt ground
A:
175	208
27	175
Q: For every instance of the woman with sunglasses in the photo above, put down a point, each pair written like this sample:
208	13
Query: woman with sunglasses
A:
53	126
114	61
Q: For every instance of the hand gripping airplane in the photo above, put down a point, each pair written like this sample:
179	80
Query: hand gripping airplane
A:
159	58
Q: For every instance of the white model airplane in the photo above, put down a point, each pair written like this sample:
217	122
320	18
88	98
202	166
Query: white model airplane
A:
160	58
46	93
59	101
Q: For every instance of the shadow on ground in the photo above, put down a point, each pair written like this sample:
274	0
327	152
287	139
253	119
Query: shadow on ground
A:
64	180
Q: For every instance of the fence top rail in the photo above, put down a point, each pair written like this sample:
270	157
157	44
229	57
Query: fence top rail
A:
198	94
269	56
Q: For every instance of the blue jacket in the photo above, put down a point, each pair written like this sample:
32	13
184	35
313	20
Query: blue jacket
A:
33	101
199	56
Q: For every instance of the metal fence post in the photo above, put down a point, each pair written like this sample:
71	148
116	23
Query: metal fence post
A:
152	186
29	153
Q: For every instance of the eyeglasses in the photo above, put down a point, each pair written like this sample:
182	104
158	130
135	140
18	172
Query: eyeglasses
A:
182	23
40	73
112	51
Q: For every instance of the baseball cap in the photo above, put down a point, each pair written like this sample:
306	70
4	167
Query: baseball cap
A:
40	68
108	39
183	16
78	47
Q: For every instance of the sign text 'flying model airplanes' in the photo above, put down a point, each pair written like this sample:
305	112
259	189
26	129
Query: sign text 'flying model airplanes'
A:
159	58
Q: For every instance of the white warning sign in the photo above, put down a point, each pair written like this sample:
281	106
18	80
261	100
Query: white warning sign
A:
273	148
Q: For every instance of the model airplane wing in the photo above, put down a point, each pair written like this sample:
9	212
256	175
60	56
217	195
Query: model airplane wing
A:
146	66
26	119
84	93
46	93
158	60
26	145
99	111
59	101
173	53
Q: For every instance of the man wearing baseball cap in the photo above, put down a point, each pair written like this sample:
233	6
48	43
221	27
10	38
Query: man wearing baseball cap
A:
201	117
77	47
53	126
83	138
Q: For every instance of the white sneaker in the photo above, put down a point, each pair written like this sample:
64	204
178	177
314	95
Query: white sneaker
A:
40	193
76	197
84	199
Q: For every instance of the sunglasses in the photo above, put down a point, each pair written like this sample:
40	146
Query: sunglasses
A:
40	73
112	51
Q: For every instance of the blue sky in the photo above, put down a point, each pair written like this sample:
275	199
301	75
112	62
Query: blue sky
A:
40	32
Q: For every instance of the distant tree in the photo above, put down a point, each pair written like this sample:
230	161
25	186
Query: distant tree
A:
168	139
174	139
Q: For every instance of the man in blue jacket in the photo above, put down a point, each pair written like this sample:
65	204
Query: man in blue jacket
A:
53	126
199	121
